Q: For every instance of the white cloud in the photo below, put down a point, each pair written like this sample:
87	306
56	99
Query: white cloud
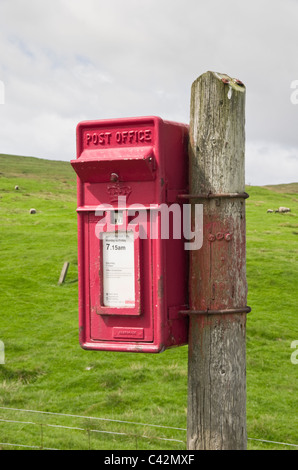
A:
268	163
68	60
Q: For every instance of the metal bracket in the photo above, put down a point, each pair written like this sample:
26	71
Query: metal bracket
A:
213	195
226	311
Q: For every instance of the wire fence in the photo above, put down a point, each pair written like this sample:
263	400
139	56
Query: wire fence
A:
134	433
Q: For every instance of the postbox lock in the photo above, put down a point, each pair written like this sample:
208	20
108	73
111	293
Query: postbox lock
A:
114	177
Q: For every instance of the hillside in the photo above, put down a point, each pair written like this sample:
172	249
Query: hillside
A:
46	370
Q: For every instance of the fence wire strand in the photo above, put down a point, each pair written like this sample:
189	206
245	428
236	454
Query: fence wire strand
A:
89	431
93	418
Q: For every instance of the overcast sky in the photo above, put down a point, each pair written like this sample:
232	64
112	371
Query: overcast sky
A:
63	61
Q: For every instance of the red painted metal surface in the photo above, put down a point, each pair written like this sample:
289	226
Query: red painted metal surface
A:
145	161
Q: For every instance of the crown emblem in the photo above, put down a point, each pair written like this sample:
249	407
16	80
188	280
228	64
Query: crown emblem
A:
115	191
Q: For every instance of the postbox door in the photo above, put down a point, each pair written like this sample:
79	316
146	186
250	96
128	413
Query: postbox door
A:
120	289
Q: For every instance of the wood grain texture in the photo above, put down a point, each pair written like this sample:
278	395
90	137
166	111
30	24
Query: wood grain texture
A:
217	358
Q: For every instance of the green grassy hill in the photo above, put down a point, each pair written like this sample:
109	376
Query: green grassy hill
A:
45	369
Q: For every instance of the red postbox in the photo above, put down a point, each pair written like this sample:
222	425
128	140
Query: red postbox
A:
133	266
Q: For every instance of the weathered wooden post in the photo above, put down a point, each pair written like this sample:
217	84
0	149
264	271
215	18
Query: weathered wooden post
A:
63	273
218	289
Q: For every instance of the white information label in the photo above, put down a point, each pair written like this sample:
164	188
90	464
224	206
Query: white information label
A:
118	270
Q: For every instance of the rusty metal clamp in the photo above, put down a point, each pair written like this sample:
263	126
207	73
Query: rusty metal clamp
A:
213	196
227	311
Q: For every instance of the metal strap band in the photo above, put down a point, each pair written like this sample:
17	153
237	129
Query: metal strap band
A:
213	196
226	311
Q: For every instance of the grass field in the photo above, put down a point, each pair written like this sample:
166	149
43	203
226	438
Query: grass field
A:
45	369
